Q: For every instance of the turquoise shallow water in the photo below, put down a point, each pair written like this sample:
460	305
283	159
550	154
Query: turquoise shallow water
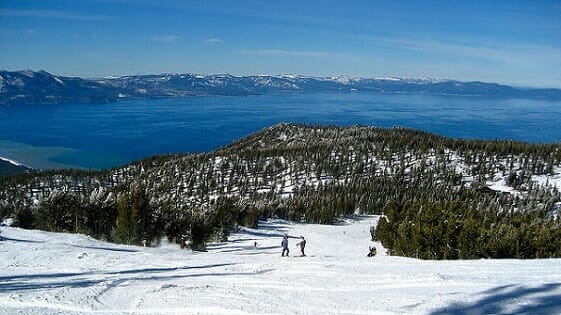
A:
106	135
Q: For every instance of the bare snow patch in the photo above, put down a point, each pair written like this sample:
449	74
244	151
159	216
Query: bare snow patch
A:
59	81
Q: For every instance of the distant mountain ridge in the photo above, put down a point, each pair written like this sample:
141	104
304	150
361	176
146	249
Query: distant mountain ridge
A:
31	87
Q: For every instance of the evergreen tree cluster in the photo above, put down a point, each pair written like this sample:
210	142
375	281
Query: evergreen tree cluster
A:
64	211
453	231
298	172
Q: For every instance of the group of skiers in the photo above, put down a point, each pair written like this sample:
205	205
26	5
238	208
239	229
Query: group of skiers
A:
285	249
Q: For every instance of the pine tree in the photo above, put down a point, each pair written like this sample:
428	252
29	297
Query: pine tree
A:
126	231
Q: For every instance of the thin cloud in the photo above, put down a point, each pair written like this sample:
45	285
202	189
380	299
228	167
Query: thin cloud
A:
52	14
169	38
9	33
521	64
281	52
512	53
213	40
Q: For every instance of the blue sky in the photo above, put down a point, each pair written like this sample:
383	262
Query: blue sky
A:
512	42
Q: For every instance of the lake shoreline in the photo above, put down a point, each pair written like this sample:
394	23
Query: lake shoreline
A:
16	163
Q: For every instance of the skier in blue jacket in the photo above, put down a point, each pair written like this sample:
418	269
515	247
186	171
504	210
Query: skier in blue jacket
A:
284	245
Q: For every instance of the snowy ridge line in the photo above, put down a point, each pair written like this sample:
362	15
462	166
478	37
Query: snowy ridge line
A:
14	162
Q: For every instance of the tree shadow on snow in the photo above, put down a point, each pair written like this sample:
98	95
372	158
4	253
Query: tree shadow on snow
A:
265	234
510	299
242	240
166	269
86	279
233	249
19	240
268	229
112	249
39	276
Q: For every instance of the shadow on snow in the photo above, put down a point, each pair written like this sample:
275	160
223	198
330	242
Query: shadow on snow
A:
19	240
112	249
511	299
78	280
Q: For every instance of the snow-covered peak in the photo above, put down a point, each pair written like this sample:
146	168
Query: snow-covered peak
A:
294	77
389	79
291	76
343	79
425	80
28	73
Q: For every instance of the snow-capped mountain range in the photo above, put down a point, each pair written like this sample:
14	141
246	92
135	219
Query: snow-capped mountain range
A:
29	87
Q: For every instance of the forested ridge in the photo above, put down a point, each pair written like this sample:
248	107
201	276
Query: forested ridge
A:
9	168
316	174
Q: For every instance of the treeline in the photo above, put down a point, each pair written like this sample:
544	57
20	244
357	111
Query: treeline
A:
454	231
128	217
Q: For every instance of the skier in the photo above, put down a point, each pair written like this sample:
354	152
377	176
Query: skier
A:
371	251
302	245
284	245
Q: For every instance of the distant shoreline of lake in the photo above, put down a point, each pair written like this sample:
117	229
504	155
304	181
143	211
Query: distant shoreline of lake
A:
108	135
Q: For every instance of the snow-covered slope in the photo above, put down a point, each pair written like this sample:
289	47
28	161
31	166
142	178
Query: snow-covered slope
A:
49	273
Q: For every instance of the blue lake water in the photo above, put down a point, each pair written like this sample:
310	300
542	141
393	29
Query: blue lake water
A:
106	135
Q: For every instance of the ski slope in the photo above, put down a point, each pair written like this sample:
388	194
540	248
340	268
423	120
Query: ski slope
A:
55	273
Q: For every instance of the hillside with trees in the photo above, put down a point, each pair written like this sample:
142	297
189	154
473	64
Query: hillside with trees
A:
9	168
441	198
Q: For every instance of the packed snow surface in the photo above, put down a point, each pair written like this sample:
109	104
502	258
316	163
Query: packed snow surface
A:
53	273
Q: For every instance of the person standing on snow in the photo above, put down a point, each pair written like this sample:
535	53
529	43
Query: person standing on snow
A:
302	245
284	245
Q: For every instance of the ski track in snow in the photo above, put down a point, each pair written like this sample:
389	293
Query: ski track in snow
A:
54	273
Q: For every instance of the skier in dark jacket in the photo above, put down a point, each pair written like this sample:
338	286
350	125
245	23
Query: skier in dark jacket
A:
371	251
302	245
284	245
